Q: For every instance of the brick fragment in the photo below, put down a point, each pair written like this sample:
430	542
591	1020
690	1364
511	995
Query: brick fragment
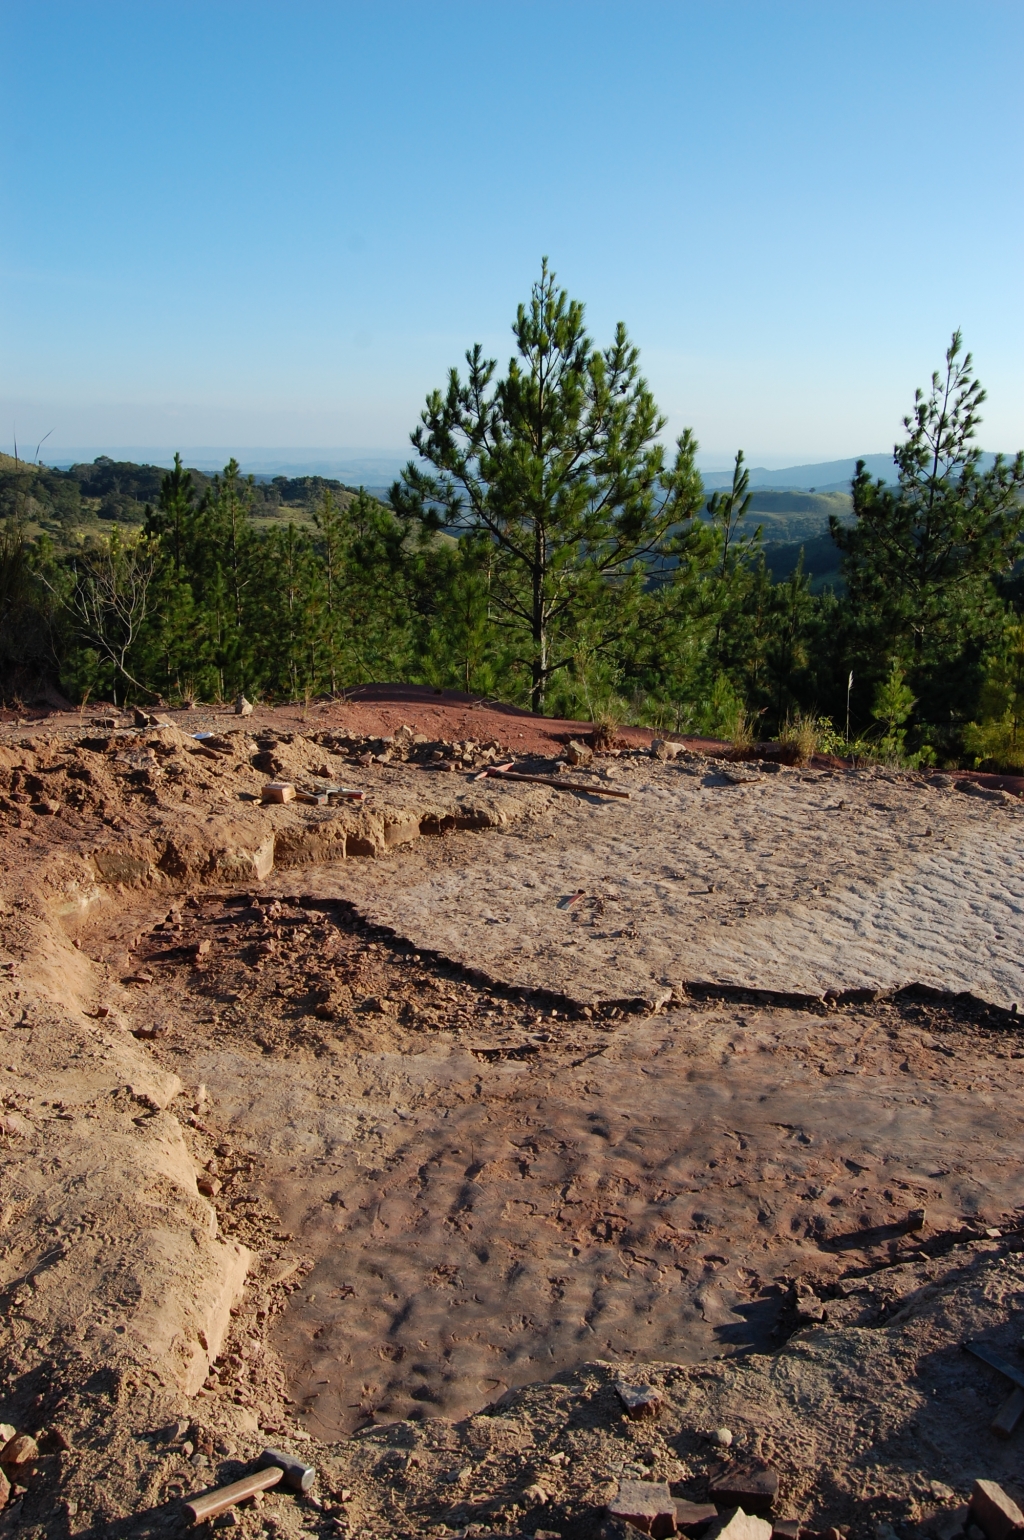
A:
1009	1414
694	1518
279	791
647	1505
737	1525
639	1401
995	1513
753	1488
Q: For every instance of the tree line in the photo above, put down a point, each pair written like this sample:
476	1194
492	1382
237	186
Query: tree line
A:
544	547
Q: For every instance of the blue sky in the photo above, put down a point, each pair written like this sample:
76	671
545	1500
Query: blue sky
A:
248	224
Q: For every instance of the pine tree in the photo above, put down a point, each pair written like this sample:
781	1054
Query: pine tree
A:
559	466
921	557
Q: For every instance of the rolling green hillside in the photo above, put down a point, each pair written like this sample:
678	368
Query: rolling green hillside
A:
90	499
792	515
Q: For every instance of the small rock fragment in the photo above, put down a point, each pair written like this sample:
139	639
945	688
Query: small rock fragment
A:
5	1489
243	707
639	1400
152	1030
722	1437
535	1494
7	1432
662	749
18	1455
995	1513
648	1506
579	753
209	1186
917	1219
806	1303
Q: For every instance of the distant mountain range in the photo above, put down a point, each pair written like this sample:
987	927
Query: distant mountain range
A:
377	469
825	476
355	467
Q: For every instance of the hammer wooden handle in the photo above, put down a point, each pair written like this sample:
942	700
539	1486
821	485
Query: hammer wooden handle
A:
212	1503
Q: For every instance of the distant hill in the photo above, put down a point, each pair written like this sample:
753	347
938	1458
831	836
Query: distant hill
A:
792	515
825	476
352	468
90	497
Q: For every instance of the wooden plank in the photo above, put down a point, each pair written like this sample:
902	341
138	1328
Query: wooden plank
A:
557	782
988	1356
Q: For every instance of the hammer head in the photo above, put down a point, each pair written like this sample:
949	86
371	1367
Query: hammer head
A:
297	1475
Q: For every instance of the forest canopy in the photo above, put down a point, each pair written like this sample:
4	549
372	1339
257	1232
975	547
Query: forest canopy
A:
543	546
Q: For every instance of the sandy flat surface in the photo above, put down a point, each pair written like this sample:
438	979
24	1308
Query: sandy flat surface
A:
794	883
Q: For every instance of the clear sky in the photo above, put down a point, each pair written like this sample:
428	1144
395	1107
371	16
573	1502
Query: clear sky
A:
250	224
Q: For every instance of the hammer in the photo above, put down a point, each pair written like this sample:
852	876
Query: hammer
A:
272	1466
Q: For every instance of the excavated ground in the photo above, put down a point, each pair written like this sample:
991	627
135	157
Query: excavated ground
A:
343	1152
